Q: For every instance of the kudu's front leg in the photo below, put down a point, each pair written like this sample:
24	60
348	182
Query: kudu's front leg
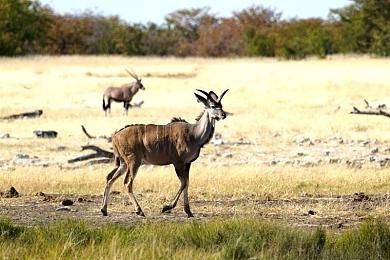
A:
182	171
111	178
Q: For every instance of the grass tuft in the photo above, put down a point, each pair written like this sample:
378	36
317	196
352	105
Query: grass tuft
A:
229	239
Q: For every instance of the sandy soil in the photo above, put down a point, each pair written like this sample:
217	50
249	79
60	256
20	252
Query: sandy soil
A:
46	208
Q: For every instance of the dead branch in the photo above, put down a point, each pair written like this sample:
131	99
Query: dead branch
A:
86	133
99	153
367	104
139	104
108	138
33	114
363	112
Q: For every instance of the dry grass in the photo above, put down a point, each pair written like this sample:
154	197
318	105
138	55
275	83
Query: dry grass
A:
293	98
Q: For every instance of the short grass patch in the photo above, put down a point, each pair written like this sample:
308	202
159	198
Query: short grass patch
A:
222	239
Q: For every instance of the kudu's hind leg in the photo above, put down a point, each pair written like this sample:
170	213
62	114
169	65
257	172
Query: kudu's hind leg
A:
119	171
129	179
182	171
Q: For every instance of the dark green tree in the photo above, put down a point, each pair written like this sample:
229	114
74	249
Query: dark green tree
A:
297	39
257	28
23	26
364	26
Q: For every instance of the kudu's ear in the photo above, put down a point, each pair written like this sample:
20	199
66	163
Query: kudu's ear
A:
213	96
201	100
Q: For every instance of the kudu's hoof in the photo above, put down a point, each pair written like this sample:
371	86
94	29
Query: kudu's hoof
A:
188	211
140	213
104	211
166	209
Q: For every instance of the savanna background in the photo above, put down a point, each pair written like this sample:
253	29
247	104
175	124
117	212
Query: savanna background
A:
290	173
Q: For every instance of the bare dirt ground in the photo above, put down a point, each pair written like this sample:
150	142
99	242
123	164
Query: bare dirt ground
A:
333	211
46	208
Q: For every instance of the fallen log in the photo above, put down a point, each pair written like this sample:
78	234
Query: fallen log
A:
99	153
369	112
33	114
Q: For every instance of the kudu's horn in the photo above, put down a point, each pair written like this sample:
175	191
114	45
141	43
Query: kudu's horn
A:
223	94
206	94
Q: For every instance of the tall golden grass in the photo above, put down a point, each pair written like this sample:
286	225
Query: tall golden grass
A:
267	96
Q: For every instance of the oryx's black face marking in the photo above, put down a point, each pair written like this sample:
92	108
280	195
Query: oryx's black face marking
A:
140	85
212	103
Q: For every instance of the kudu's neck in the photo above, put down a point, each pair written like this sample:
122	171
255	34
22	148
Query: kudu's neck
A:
204	128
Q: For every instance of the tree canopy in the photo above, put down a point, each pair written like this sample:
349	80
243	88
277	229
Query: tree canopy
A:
28	27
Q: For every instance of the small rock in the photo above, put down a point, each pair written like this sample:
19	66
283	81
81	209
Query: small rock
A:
45	134
227	155
304	140
67	202
48	198
374	150
360	196
217	142
338	225
334	160
273	162
354	164
276	134
387	150
217	136
61	148
385	162
305	194
40	194
80	199
22	156
11	193
311	212
300	154
65	208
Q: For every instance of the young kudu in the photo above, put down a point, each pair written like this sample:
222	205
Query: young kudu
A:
176	143
124	93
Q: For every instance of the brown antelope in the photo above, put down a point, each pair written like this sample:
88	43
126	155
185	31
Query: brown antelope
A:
176	143
124	93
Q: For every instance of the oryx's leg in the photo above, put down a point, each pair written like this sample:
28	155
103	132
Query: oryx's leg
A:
125	107
182	171
132	169
119	171
109	106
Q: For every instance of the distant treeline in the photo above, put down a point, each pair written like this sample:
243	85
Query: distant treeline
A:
28	27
